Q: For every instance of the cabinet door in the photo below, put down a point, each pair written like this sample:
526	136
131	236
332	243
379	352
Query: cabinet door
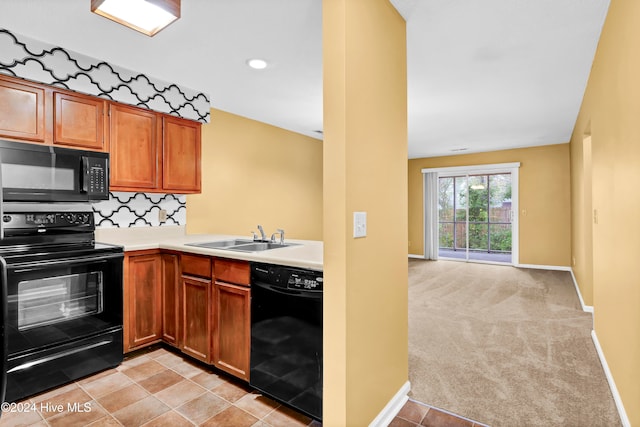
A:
181	155
196	317
134	136
22	112
79	121
232	333
144	300
170	299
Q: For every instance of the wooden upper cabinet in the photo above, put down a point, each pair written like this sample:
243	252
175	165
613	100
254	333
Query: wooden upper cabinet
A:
149	151
152	152
181	155
22	110
134	136
79	121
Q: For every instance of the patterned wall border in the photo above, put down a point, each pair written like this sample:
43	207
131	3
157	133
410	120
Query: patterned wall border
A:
34	60
125	210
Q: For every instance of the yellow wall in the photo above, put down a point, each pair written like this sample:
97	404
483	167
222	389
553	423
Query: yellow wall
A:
581	208
365	169
544	193
254	173
611	110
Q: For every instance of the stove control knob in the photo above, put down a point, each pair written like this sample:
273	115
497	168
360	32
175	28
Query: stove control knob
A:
71	218
6	218
83	219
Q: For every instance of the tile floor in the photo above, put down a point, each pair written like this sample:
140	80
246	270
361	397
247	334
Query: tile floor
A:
163	388
416	414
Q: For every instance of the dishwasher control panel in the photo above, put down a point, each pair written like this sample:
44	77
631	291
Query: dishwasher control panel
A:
293	278
307	280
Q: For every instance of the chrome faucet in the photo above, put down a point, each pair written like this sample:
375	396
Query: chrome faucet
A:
279	231
263	236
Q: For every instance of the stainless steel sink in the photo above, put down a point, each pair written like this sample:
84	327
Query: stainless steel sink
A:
257	246
241	245
221	244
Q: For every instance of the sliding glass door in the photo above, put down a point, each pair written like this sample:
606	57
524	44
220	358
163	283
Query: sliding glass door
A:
474	217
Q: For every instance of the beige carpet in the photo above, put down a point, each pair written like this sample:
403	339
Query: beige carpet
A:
504	346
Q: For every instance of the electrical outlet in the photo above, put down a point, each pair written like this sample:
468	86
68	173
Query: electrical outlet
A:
162	215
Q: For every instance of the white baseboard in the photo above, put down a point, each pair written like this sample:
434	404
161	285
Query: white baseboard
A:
544	267
392	408
587	308
416	256
612	384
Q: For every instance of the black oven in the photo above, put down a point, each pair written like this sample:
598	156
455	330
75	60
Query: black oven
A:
62	297
40	173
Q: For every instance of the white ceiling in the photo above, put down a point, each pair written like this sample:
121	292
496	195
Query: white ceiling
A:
483	75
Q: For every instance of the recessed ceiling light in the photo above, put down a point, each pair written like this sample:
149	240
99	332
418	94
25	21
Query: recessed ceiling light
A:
257	64
145	16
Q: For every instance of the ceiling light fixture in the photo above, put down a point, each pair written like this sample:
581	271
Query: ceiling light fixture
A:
145	16
257	64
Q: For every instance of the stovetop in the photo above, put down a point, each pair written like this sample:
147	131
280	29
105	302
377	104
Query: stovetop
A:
34	231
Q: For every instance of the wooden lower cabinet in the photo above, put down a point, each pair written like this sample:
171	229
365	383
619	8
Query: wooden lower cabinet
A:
232	329
143	300
174	298
171	299
196	317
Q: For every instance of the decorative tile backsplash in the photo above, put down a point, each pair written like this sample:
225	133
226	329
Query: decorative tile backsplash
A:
140	210
34	60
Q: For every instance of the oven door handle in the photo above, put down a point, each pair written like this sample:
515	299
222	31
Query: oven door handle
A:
58	356
1	204
67	262
4	347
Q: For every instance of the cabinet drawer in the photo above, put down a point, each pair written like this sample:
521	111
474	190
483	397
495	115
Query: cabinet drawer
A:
195	265
232	271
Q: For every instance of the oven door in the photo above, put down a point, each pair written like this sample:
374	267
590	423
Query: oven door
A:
54	300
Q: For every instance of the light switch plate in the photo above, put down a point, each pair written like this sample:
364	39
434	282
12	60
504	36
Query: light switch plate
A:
359	224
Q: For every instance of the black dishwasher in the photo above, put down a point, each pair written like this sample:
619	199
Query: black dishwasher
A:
286	335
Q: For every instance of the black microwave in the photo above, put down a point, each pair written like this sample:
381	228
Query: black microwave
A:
43	173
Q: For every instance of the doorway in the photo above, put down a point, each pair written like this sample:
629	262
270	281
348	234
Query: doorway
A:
469	213
474	217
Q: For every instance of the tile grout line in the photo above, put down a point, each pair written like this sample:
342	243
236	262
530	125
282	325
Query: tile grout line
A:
429	407
95	399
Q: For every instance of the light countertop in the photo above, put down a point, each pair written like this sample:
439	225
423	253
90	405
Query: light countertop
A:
305	254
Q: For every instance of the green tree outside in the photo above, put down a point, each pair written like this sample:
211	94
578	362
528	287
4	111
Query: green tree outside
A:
489	198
